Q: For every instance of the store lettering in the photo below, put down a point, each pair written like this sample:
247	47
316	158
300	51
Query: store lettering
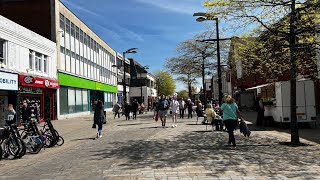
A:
7	81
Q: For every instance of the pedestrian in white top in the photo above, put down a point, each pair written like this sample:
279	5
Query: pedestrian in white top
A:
175	109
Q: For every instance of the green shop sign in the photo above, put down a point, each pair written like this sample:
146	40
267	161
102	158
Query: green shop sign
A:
73	81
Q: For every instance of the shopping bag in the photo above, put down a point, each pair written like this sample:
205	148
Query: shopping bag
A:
94	126
156	118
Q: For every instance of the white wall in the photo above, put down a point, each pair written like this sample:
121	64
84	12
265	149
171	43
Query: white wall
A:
19	41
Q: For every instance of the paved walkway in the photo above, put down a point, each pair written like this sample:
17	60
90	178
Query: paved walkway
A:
142	149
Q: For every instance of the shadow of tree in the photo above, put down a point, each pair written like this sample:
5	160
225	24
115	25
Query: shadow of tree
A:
262	155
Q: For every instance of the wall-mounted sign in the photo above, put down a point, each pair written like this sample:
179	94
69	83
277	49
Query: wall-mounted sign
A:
8	81
30	90
35	81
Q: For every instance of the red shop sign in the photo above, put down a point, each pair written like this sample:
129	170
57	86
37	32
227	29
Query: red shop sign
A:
41	82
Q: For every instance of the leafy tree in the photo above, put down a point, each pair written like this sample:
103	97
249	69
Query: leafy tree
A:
165	83
286	29
183	94
183	67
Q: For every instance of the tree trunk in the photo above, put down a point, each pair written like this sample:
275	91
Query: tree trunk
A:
293	71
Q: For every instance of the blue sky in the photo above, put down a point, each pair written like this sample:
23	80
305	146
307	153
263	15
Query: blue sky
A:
153	26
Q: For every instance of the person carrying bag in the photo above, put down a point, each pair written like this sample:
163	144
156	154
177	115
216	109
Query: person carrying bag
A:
99	118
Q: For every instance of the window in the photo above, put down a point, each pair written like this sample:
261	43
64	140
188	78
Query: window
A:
62	21
38	61
77	32
45	61
67	25
81	36
72	29
85	38
31	59
3	51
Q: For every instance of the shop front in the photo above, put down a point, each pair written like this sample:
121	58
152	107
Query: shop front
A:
8	93
40	95
78	96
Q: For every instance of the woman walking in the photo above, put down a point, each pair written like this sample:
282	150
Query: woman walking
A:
99	117
175	109
231	114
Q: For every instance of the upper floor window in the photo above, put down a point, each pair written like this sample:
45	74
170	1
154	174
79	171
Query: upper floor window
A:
67	25
72	29
38	61
77	32
2	51
62	22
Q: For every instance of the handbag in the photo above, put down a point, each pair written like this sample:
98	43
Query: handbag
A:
157	116
94	126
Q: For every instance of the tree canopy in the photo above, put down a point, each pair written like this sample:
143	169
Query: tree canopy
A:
165	83
287	37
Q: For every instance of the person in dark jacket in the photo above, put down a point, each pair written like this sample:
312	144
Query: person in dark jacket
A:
26	113
127	110
99	117
135	106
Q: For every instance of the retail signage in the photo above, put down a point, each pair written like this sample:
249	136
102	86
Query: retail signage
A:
30	90
8	81
34	81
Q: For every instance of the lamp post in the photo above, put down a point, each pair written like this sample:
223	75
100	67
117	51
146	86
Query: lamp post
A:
132	51
141	97
204	17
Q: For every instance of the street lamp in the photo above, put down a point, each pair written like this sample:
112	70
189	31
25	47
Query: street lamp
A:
204	17
141	97
132	51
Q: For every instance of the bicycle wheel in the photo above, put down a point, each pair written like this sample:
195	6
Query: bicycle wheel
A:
35	145
60	141
1	151
16	148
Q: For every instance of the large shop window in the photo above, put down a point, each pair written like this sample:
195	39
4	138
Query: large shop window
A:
71	100
64	100
79	106
85	99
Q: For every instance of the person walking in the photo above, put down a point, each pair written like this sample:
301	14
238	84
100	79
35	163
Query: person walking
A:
260	110
231	114
26	113
175	109
10	115
116	110
135	106
99	117
163	106
154	108
127	110
190	108
182	107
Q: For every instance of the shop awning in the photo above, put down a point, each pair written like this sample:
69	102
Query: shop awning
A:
260	86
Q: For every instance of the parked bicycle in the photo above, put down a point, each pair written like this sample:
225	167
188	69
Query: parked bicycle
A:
13	147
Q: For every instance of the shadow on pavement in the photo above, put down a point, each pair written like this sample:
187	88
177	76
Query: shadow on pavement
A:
261	154
83	139
133	124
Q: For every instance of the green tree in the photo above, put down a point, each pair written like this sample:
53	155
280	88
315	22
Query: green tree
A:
288	24
183	94
165	83
184	68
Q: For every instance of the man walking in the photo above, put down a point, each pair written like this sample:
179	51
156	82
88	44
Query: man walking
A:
163	107
182	107
116	110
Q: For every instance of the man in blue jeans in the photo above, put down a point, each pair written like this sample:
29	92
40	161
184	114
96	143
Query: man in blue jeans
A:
163	107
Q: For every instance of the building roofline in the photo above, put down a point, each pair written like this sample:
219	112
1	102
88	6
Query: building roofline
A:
87	26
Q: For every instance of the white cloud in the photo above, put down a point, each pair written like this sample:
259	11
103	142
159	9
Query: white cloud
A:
183	7
79	7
